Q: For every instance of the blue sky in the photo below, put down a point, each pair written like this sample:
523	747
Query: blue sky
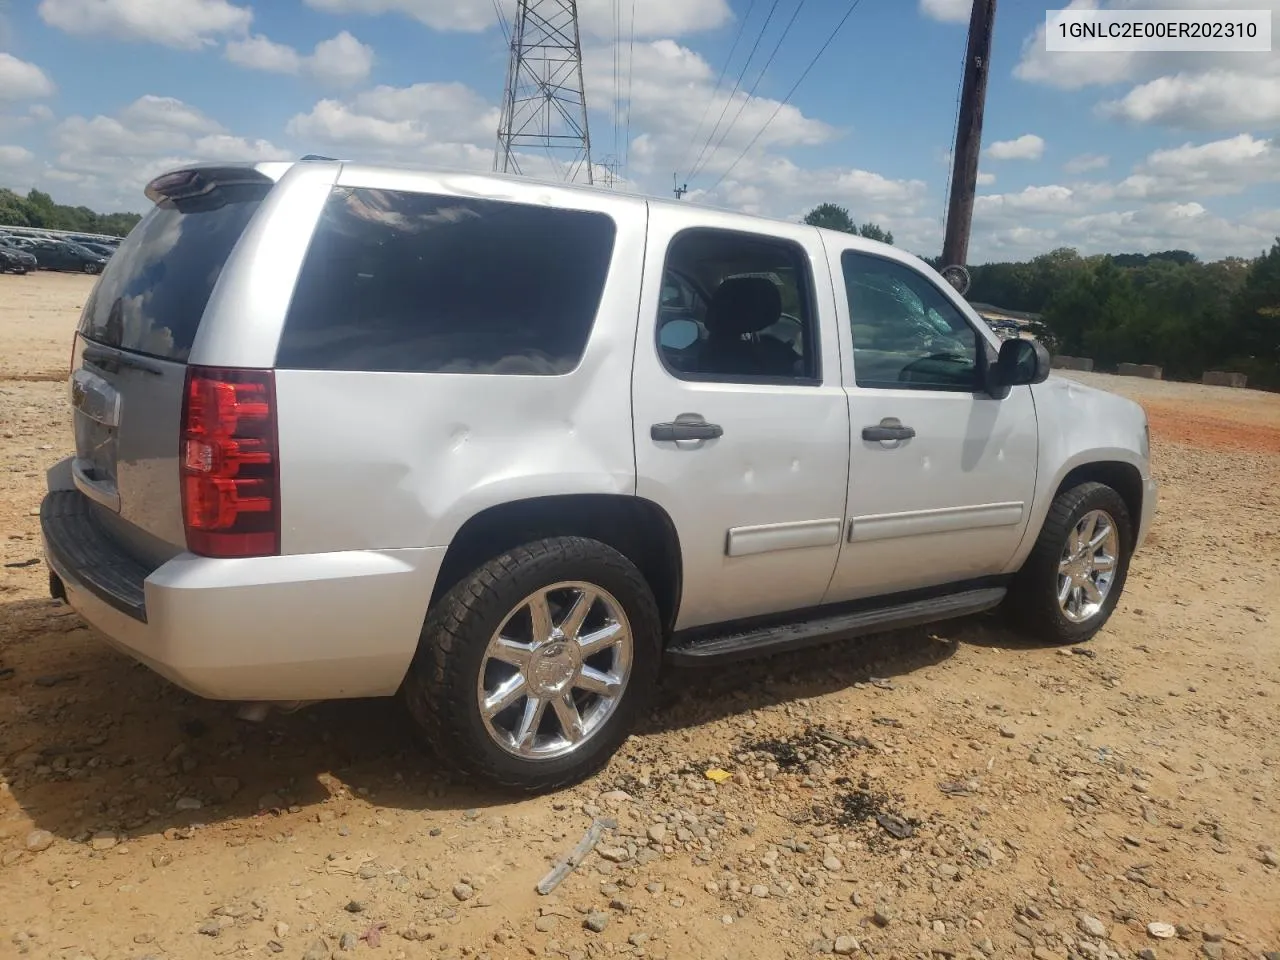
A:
1104	152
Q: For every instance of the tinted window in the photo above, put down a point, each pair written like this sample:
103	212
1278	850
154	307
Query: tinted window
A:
737	307
157	283
416	282
906	334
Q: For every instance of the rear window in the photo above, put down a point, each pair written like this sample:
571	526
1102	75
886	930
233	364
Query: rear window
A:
154	290
413	282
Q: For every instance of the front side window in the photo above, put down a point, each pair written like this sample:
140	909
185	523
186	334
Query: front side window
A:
413	282
737	307
906	334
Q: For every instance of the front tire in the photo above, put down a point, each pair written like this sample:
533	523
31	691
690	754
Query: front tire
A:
1073	578
532	670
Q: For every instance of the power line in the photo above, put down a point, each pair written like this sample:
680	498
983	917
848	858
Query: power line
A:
752	92
790	93
738	83
742	26
955	127
631	64
616	6
502	21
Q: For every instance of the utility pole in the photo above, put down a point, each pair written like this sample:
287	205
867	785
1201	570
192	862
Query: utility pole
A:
964	172
544	105
680	188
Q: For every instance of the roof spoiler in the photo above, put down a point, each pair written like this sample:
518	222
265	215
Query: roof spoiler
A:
195	181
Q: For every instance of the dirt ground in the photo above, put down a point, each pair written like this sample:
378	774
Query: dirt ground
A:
945	793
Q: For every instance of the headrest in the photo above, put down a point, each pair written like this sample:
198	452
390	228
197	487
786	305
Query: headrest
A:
743	305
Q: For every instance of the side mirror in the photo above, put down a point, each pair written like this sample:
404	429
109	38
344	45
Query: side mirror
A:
1020	362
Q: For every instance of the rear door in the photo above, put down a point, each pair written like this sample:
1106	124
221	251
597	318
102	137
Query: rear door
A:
129	363
741	423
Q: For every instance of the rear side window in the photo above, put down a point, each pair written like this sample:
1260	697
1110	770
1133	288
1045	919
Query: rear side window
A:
154	290
414	282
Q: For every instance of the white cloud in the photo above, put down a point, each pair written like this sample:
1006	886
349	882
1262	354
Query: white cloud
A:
653	18
671	91
185	24
1215	98
1086	162
1053	198
948	11
986	179
106	160
256	52
341	60
40	112
13	156
152	113
1219	167
1026	147
399	120
1186	90
20	80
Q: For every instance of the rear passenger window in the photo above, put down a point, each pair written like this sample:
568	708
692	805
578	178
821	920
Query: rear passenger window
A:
736	307
397	281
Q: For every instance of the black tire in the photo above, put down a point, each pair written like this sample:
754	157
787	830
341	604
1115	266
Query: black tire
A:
1033	596
440	688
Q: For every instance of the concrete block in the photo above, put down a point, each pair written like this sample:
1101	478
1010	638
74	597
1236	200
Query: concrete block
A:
1220	378
1145	370
1062	362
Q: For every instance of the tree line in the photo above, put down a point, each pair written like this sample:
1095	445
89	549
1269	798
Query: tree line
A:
1169	308
37	209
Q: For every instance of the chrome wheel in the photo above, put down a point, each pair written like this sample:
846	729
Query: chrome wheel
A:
555	670
1087	568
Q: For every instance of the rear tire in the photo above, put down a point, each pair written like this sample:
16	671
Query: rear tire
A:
1082	554
533	669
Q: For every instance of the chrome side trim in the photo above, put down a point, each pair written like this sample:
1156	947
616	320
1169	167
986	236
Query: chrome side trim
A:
768	537
913	523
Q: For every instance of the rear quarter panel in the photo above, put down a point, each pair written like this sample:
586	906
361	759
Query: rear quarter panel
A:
388	460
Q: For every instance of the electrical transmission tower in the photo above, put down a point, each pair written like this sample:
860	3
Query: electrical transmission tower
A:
544	107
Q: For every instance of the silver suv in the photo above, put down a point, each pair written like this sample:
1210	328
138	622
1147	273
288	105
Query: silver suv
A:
502	447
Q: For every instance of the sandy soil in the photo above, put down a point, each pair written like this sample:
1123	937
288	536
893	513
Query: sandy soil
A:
1058	801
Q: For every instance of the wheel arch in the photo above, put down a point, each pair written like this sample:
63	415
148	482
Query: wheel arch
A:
1122	477
637	528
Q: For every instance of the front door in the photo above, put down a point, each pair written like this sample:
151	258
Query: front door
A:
941	474
740	418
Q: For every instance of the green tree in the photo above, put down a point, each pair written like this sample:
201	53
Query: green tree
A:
38	209
873	231
831	216
1255	321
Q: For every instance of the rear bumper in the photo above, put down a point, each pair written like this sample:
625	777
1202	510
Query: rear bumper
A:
302	627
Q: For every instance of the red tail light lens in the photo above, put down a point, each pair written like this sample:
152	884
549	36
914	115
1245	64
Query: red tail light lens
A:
230	463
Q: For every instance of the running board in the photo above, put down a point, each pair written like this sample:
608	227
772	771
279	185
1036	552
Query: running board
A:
843	625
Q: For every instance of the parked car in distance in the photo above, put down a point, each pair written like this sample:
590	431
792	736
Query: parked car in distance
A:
15	259
503	448
102	249
66	255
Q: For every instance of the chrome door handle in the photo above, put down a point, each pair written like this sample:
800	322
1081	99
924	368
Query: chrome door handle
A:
887	430
686	427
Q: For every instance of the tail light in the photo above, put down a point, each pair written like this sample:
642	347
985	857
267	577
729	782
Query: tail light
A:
230	463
